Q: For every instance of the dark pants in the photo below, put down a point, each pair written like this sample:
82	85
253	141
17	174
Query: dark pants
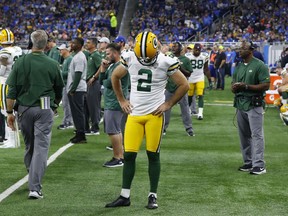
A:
221	78
77	109
93	106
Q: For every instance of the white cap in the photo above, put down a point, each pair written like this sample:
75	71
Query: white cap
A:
104	40
62	46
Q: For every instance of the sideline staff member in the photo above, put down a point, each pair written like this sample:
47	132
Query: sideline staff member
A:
250	81
35	78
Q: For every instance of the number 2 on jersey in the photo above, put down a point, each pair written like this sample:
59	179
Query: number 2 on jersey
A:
144	84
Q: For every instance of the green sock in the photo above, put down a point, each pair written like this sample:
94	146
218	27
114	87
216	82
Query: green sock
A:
285	95
200	101
153	170
128	169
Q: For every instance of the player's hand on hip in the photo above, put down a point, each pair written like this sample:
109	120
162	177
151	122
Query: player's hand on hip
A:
126	106
161	109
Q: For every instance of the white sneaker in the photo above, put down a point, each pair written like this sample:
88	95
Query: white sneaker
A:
200	117
35	195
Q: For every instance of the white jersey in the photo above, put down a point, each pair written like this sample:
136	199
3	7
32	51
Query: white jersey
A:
198	66
11	53
148	82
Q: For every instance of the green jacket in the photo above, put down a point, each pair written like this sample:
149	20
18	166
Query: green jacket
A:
35	75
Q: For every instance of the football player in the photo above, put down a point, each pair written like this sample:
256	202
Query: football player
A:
8	55
149	70
199	61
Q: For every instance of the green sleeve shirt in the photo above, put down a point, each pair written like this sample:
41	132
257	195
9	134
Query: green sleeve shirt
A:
110	99
186	64
93	63
252	73
35	75
65	68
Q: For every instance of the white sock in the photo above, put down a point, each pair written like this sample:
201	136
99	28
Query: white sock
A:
200	111
125	193
155	194
284	101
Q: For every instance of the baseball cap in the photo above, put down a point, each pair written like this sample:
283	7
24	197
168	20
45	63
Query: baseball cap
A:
62	46
104	40
120	39
221	47
197	46
190	46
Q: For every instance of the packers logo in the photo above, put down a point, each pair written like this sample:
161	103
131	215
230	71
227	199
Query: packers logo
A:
155	43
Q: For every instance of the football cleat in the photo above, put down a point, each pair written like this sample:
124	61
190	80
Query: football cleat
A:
119	202
146	48
6	36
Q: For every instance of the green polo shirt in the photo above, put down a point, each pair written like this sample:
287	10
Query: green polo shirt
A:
252	73
110	99
65	68
35	75
93	63
186	64
102	54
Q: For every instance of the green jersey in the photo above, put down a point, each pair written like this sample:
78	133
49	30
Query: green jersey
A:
93	63
252	73
110	99
186	64
35	75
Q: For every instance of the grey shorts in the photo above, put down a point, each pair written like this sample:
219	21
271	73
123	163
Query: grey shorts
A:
112	121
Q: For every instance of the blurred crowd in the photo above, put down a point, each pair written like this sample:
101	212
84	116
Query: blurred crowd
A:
63	20
178	20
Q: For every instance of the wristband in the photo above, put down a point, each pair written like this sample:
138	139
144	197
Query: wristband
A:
9	112
246	87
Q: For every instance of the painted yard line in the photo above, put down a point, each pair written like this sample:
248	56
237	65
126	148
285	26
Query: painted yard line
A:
219	104
18	184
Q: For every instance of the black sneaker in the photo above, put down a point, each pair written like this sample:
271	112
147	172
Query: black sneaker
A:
114	163
190	133
258	171
152	202
109	148
78	140
120	201
245	168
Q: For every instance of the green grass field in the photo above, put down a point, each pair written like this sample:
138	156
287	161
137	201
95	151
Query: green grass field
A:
199	174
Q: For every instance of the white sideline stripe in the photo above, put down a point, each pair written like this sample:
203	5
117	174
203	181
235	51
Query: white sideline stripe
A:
219	104
18	184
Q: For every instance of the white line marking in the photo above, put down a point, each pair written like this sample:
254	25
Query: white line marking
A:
18	184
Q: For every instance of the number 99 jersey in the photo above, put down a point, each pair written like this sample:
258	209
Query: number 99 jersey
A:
198	63
148	82
8	56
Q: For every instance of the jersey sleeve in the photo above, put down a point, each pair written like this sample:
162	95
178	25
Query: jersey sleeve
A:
205	57
5	54
126	58
173	65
